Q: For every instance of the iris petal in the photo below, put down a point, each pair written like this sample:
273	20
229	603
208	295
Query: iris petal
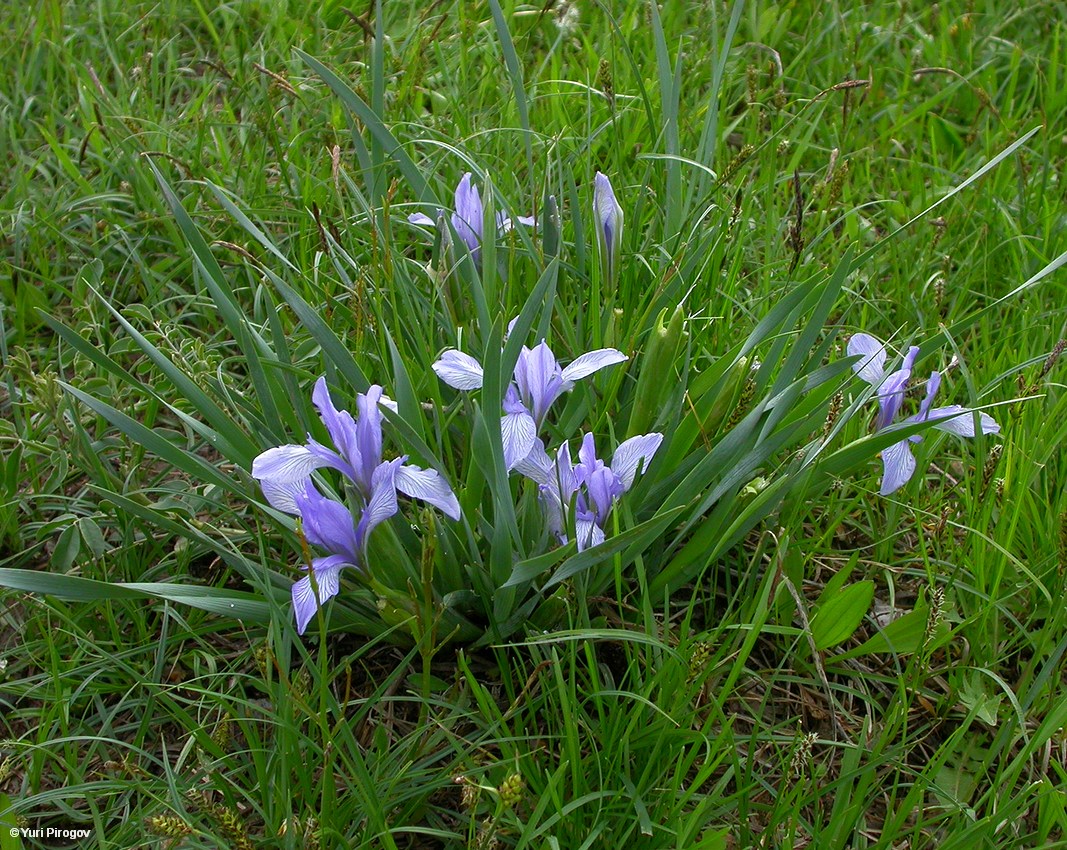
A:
428	485
593	361
872	367
327	579
899	465
960	421
459	370
633	453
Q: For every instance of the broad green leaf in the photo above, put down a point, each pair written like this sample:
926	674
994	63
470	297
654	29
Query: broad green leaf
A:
840	615
902	636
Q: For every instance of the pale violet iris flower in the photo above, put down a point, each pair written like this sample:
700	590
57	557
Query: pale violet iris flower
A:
607	218
897	460
591	484
538	381
469	215
284	474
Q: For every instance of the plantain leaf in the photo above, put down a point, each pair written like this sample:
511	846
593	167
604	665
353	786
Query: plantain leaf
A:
841	613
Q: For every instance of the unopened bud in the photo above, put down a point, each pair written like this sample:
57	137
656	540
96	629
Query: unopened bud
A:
658	367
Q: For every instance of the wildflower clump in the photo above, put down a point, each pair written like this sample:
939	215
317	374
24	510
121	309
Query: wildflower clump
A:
284	474
897	460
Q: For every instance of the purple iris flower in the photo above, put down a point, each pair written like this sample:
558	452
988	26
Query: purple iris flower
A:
284	474
593	485
469	216
607	214
538	381
897	460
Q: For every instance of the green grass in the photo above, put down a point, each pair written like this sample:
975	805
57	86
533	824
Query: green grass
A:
705	710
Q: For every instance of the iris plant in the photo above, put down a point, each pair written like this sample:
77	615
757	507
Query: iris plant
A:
897	459
284	474
538	381
469	215
591	484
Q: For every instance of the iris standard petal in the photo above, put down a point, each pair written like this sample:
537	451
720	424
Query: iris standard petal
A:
459	370
382	503
367	452
891	396
587	459
592	362
933	383
603	488
898	466
339	423
565	472
428	485
635	453
467	219
871	367
537	375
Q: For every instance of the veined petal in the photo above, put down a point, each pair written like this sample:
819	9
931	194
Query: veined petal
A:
960	421
327	579
899	465
588	534
872	367
537	465
282	494
428	485
421	218
506	224
633	453
382	504
518	433
459	370
592	362
285	464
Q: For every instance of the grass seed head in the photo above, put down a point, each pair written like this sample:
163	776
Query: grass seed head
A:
510	790
168	826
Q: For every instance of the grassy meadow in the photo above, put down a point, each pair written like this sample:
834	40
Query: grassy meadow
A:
206	207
